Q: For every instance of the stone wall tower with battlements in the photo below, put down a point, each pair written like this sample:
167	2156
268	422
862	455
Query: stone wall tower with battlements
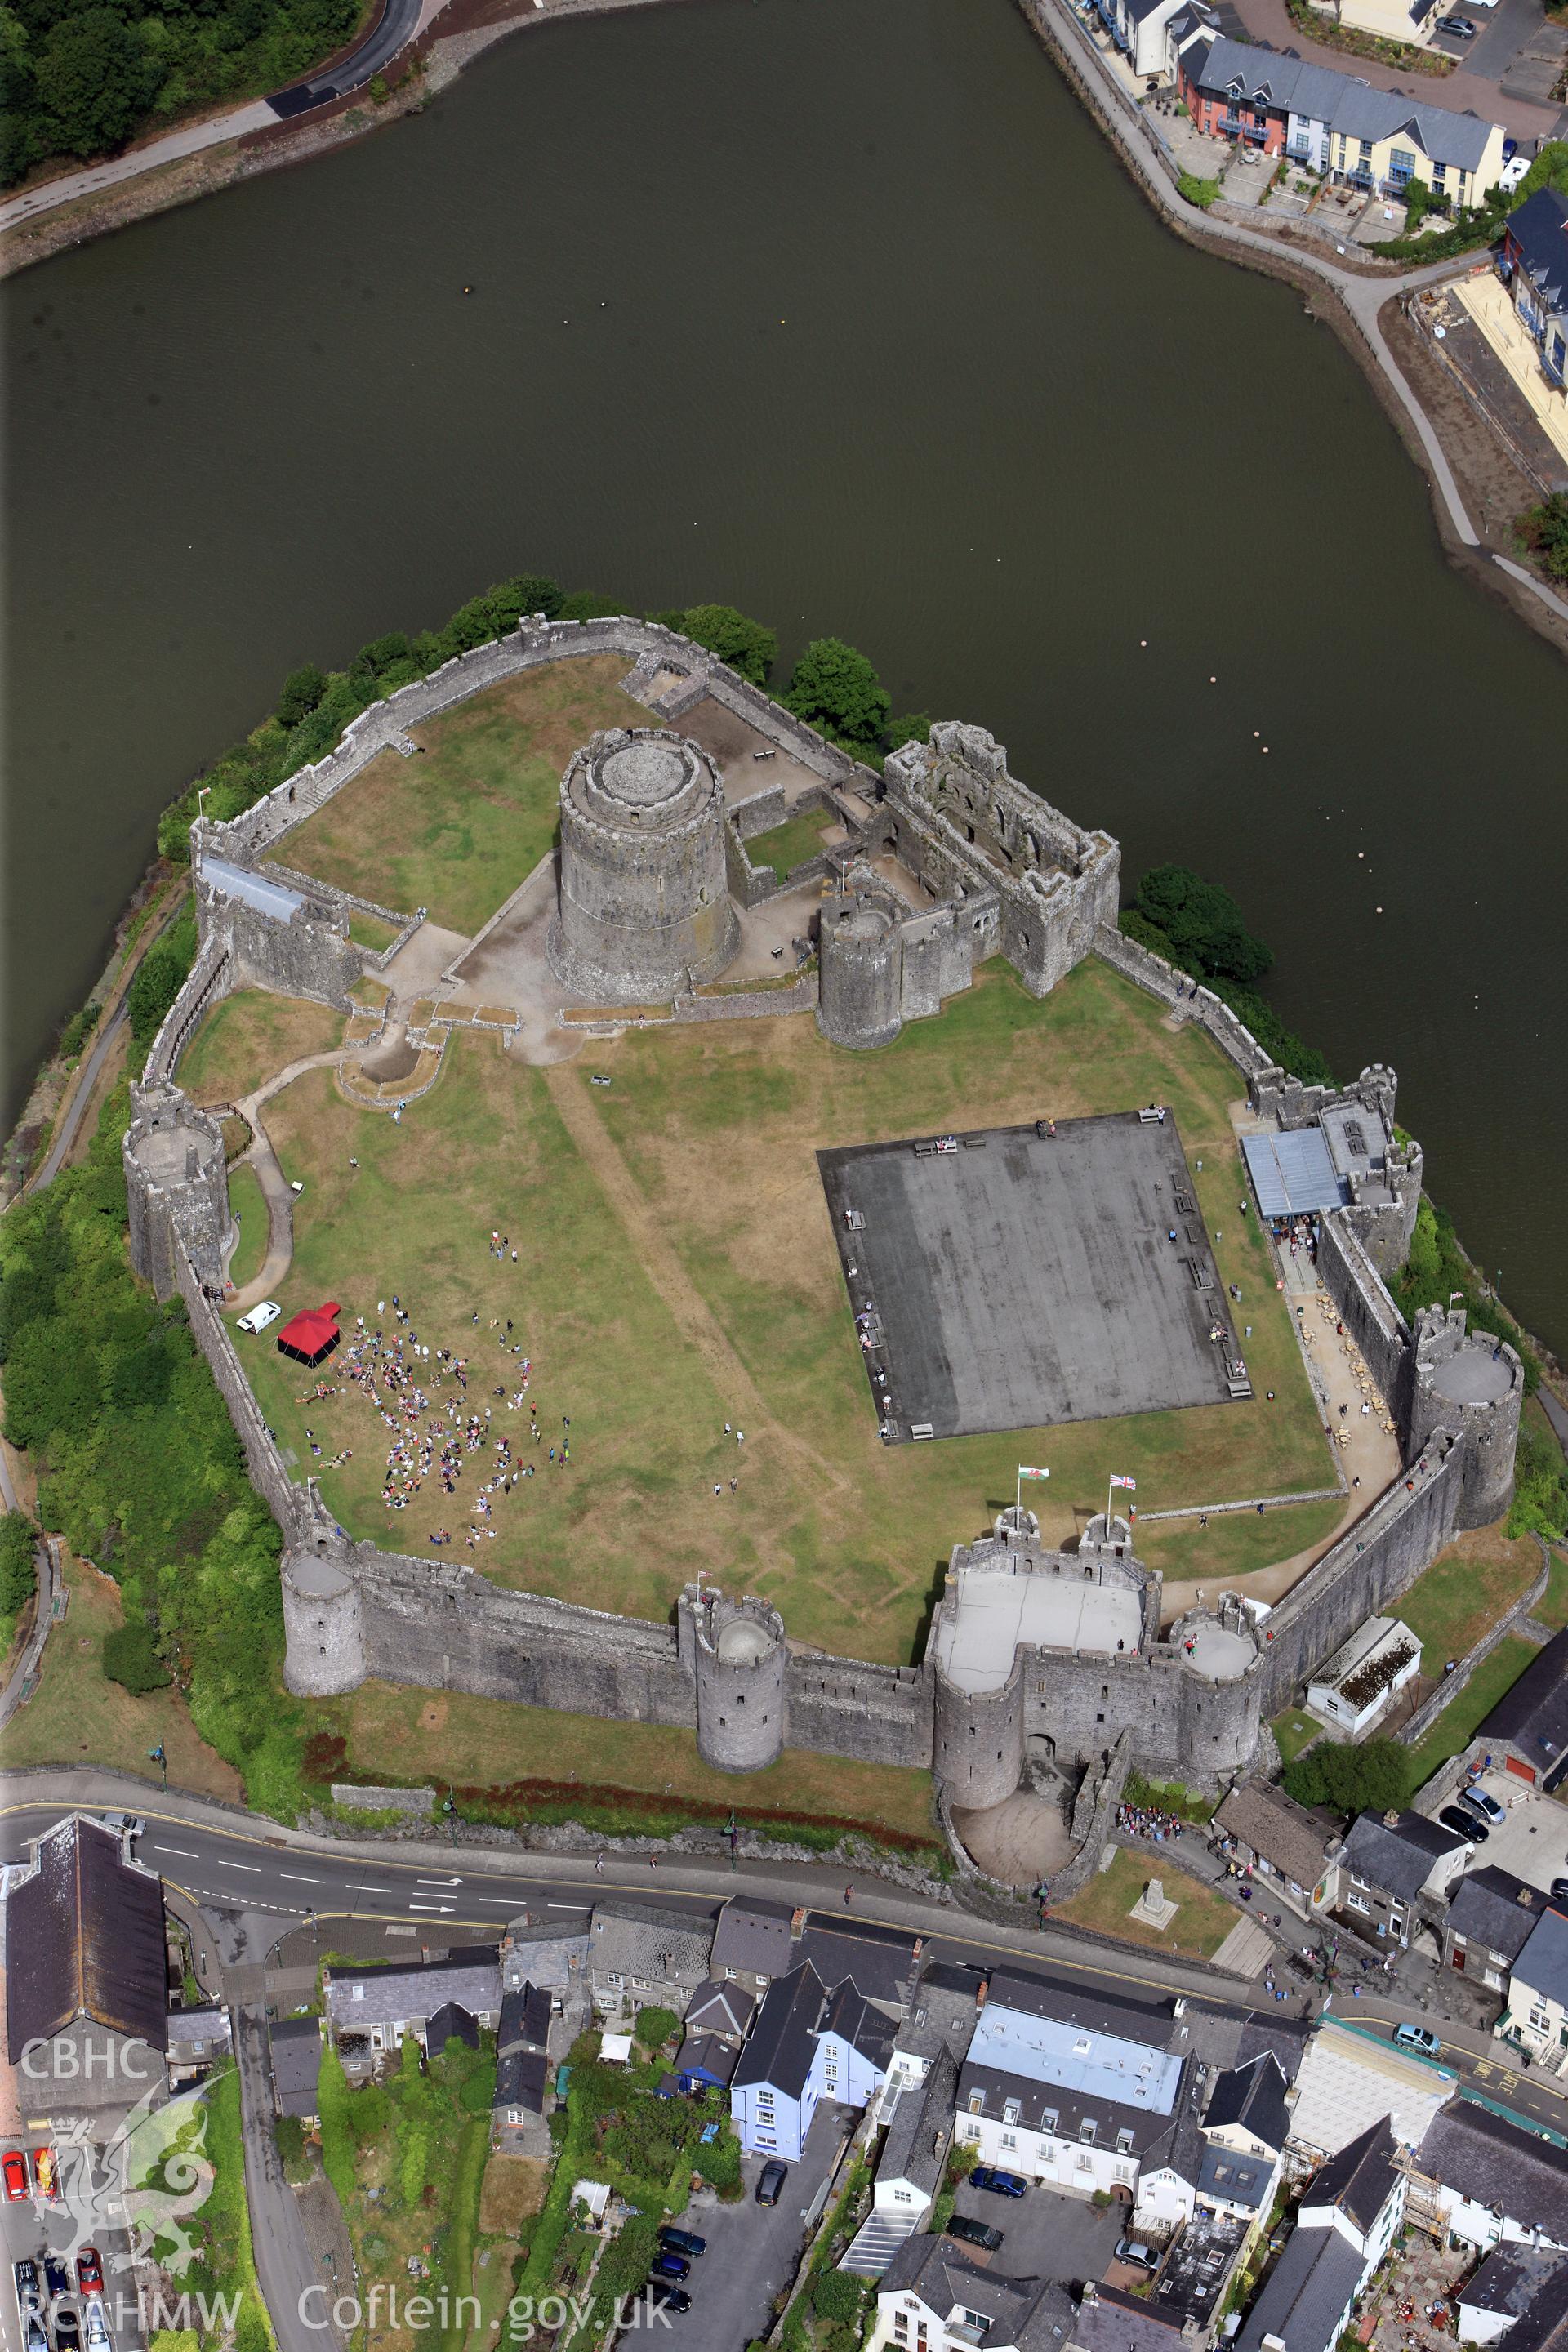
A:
1473	1384
736	1652
643	908
176	1185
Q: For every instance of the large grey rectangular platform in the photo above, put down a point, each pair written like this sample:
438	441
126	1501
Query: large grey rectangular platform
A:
1021	1280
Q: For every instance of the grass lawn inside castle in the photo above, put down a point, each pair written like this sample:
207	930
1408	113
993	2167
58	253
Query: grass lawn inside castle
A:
676	1271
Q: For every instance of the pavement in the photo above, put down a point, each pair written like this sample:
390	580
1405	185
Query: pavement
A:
755	2250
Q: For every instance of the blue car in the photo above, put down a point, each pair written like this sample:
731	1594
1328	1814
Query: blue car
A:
671	2266
1000	2184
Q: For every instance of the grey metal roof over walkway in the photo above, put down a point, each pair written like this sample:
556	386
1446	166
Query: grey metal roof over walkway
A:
257	891
1293	1175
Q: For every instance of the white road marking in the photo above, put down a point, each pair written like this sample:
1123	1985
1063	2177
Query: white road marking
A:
507	1899
182	1851
437	1882
298	1881
430	1906
369	1890
254	1867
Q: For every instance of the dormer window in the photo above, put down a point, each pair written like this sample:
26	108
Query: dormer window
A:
1010	2111
1086	2131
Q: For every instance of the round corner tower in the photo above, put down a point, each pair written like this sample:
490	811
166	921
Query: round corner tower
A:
322	1623
1474	1385
860	990
643	907
741	1662
177	1183
977	1746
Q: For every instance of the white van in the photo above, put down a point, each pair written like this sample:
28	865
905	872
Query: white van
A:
261	1316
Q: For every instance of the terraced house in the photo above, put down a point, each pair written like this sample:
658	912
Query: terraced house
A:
1353	135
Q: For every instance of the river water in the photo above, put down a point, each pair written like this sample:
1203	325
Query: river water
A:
840	311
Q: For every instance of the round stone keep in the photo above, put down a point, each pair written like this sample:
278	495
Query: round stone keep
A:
643	908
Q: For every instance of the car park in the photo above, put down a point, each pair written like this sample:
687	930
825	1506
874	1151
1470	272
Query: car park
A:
671	2265
1485	1803
89	2271
1417	2037
1133	2250
664	2296
14	2165
682	2241
974	2233
1000	2184
1465	1825
260	1317
774	2175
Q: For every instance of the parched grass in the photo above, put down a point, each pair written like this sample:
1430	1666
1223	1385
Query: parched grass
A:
248	1203
1464	1592
791	844
77	1712
250	1038
1294	1731
1238	1542
721	1300
1202	1919
1457	1724
449	1737
460	825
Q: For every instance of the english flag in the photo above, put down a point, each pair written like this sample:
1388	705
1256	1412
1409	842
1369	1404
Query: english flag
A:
1130	1484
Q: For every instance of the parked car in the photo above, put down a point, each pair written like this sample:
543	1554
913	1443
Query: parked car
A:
774	2175
260	1317
14	2165
95	2327
57	2278
666	2297
1417	2037
46	2172
1133	2250
1476	1795
1465	1825
1000	2184
1560	1890
1460	28
682	2241
67	2326
671	2265
974	2233
25	2274
89	2271
124	1824
34	2336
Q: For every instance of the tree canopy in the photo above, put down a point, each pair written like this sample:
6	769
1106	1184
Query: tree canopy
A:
835	688
1203	923
745	644
1369	1779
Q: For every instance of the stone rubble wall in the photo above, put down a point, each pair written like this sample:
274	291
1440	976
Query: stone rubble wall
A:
1157	978
209	981
262	1459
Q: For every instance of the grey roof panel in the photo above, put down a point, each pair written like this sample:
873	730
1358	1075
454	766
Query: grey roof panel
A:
1542	1965
258	890
1306	2293
1293	1175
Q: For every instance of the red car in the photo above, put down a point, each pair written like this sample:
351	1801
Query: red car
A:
14	2166
89	2271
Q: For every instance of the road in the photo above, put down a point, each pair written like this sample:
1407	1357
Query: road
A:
65	1134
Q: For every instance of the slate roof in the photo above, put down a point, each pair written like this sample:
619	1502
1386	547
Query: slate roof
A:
294	2045
704	2053
753	1938
1273	1825
635	1939
451	2022
550	1954
783	2044
1253	2097
1306	2293
1359	2180
84	1937
1293	86
1038	2102
358	1999
1540	230
195	2034
921	2128
1118	2321
1232	2179
1035	2313
1542	1965
1485	1910
1532	1713
1398	1859
716	2008
881	1965
522	2068
1511	2277
1479	2155
851	2016
944	2002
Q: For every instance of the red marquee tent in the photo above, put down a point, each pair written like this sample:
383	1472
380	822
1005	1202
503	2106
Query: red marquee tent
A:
311	1335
